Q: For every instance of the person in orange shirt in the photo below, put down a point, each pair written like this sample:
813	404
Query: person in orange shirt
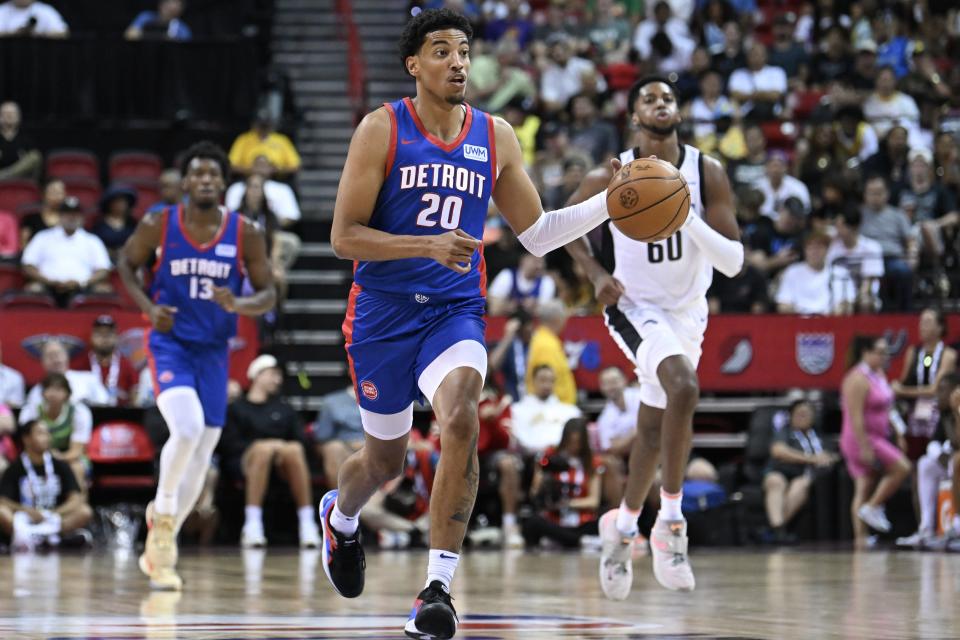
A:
546	348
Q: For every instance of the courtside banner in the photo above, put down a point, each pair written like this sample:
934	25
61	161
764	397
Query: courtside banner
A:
23	332
744	353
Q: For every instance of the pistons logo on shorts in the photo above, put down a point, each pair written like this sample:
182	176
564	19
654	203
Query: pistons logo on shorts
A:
166	376
369	390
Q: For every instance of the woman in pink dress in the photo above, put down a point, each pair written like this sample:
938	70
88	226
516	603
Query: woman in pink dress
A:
877	466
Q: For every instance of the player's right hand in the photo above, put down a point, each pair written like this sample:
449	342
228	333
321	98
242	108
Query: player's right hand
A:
607	289
161	317
454	250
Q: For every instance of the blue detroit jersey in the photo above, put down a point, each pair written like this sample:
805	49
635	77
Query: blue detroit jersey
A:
186	273
432	188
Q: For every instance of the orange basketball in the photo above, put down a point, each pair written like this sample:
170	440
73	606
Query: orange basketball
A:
648	199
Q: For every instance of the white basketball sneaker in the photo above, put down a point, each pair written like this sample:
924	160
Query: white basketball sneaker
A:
671	566
616	558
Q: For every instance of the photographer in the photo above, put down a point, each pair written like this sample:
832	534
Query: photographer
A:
566	490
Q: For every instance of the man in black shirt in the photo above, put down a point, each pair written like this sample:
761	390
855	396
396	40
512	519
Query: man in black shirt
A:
262	433
40	501
19	157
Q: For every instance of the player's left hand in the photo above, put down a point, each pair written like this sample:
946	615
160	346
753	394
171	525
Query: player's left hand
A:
615	164
225	298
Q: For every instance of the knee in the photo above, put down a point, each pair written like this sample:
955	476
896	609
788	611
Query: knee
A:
508	466
904	467
84	515
683	389
292	451
774	481
462	422
334	450
260	454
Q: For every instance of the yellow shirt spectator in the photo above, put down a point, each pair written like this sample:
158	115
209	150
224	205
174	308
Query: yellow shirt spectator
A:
546	348
276	147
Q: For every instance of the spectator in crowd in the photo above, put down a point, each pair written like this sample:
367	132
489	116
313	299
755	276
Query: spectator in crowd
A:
811	287
759	88
85	386
664	40
493	449
69	422
616	429
550	168
930	206
564	75
509	356
864	76
878	467
566	491
255	206
538	419
280	196
860	256
574	171
40	500
11	384
939	462
338	431
8	428
890	160
925	365
264	433
891	228
164	23
497	78
946	161
833	60
744	293
893	47
589	132
515	25
708	24
30	18
53	202
731	57
751	170
710	107
115	372
527	287
773	246
608	31
19	155
886	106
116	222
546	348
264	140
817	158
525	125
795	455
855	138
786	52
67	259
688	83
171	190
778	185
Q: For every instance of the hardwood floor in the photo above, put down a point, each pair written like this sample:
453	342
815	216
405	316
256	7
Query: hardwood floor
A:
284	594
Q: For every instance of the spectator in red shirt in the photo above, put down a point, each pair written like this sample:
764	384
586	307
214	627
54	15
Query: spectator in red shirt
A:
118	375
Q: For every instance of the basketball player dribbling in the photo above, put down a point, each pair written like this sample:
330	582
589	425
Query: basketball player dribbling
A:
656	311
411	204
203	252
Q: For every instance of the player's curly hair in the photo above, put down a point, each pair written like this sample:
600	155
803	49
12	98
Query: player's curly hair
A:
208	151
427	22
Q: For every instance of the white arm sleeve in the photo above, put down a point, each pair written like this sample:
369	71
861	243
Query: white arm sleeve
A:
555	229
724	254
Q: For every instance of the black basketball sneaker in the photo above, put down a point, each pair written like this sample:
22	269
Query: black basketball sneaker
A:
433	616
343	559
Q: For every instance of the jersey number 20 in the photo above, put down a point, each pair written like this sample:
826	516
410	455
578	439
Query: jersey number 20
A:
449	211
674	249
201	288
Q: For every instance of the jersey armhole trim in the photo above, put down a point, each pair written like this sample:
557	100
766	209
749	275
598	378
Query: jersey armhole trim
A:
492	141
703	183
165	221
240	262
392	148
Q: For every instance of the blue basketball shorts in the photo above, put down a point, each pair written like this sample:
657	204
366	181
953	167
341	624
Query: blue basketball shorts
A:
205	368
400	351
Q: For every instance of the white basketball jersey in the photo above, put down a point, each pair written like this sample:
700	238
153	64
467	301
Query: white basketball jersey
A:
673	273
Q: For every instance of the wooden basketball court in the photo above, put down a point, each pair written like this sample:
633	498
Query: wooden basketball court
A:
284	594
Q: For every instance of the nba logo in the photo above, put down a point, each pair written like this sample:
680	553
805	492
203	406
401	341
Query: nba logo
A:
369	390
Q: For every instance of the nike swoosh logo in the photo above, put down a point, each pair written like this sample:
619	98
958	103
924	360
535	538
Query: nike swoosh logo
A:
445	557
407	141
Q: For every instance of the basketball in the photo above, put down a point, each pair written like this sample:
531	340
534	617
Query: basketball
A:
648	199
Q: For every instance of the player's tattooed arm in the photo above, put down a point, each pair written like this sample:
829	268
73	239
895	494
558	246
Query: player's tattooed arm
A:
260	273
134	255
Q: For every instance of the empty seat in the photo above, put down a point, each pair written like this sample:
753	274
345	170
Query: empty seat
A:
11	278
148	194
9	235
22	300
16	192
86	190
97	302
122	456
73	163
135	164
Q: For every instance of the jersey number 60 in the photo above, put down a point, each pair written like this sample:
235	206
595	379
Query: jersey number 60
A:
449	211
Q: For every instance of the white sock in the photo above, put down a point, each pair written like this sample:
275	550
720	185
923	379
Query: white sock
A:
442	566
305	514
670	505
347	525
509	520
254	516
627	520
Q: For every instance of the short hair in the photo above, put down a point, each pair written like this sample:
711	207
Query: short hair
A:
875	176
819	237
851	217
56	380
25	429
206	150
641	83
540	368
426	22
797	403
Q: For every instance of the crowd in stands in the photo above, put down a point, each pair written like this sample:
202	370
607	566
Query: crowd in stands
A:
820	111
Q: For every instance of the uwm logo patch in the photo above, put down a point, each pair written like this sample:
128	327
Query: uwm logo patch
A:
474	152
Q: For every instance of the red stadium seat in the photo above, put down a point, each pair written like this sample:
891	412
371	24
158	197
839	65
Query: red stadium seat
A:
22	300
807	101
122	456
16	192
97	302
73	163
117	283
86	190
780	135
148	194
9	234
11	278
135	164
25	210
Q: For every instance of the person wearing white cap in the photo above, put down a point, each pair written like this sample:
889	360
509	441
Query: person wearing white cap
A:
265	433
